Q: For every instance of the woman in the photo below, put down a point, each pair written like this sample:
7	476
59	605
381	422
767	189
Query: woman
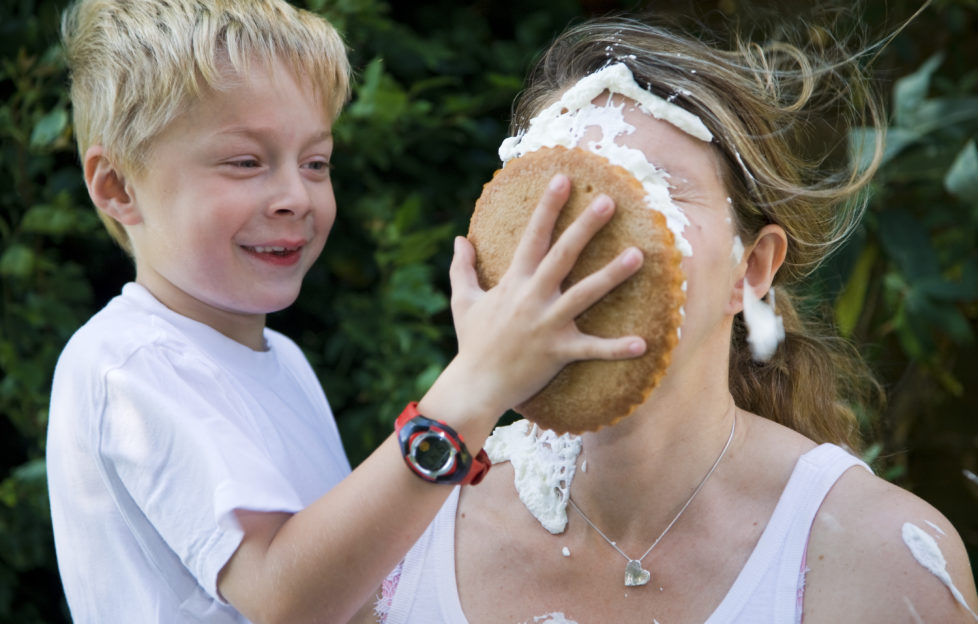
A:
728	495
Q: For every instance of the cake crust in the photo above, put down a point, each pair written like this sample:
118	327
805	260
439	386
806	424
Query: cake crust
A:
591	394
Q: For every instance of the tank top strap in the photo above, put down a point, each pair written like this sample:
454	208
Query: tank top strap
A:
771	574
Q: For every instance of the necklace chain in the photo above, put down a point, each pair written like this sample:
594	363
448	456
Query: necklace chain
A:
689	500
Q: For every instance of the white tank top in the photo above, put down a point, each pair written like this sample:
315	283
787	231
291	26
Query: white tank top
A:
768	589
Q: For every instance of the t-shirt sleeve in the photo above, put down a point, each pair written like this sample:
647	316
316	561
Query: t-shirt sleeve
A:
183	451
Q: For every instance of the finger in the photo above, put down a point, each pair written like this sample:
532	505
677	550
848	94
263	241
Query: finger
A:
588	347
462	276
535	241
564	254
585	293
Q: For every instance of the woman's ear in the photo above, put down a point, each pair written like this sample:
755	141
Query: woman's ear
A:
108	188
761	263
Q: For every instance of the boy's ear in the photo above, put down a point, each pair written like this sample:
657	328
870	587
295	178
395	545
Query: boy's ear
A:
760	265
108	188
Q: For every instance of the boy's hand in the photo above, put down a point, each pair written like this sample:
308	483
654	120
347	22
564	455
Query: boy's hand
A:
512	340
518	335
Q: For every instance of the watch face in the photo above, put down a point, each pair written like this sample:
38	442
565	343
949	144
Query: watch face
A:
433	453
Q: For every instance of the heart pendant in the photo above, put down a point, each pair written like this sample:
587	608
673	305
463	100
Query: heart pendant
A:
635	574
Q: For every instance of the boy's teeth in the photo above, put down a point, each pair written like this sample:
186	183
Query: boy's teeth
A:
268	249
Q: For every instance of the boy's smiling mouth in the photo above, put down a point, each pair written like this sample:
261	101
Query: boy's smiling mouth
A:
271	249
279	255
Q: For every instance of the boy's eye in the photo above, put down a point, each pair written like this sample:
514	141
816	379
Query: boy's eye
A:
246	163
320	165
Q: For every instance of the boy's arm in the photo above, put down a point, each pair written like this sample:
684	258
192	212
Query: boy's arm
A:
322	563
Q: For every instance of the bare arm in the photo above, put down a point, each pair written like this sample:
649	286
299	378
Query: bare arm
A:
322	563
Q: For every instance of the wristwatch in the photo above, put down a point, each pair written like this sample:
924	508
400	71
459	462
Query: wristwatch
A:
436	452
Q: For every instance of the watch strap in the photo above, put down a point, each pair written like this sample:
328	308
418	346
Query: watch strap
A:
472	469
479	468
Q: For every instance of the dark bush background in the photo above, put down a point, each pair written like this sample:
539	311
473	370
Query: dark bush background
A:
434	86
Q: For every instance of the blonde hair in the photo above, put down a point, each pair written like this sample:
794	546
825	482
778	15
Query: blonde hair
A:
136	66
760	102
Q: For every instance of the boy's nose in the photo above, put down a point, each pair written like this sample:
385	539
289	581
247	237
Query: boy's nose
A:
291	196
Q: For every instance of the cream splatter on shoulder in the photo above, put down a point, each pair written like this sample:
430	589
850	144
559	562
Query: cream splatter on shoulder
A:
925	550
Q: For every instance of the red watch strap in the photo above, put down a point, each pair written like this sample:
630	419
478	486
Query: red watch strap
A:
410	411
480	466
480	462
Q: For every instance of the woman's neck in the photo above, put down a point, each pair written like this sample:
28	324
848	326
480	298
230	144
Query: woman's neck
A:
634	477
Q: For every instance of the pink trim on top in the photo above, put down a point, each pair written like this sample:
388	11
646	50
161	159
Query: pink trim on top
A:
799	613
387	590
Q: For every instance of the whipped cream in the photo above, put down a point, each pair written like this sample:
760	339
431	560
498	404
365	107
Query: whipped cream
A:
737	251
925	550
543	464
765	328
557	617
565	122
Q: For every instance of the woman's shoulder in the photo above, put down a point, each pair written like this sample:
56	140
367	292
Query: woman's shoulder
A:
878	553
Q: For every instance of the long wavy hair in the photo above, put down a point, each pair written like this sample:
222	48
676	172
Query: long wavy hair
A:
761	102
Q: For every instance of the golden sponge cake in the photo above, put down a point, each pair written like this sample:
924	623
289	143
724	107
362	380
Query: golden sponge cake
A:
588	395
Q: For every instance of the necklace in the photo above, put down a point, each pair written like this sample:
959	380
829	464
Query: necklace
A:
635	574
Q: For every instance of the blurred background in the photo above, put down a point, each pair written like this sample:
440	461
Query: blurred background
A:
435	80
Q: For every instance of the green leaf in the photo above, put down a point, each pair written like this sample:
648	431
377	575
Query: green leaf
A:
910	91
872	453
905	240
928	318
427	377
862	145
26	478
17	261
951	113
962	178
962	287
849	304
49	128
909	339
48	219
505	82
378	96
895	472
411	292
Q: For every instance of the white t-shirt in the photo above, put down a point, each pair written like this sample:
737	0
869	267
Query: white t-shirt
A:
160	427
768	590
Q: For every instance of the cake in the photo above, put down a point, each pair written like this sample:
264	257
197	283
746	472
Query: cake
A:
588	395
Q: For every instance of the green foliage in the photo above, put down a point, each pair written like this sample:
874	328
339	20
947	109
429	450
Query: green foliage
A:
431	101
919	245
909	291
44	223
414	147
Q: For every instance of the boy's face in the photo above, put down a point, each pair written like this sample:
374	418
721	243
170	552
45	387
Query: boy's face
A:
235	204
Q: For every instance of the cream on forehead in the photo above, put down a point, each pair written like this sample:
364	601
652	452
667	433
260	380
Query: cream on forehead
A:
617	79
565	122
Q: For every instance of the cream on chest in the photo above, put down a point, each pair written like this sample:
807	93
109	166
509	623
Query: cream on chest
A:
524	572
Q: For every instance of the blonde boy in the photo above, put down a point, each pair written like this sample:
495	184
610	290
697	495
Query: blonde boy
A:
195	469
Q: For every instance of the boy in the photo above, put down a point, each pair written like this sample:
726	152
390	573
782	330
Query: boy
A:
195	469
